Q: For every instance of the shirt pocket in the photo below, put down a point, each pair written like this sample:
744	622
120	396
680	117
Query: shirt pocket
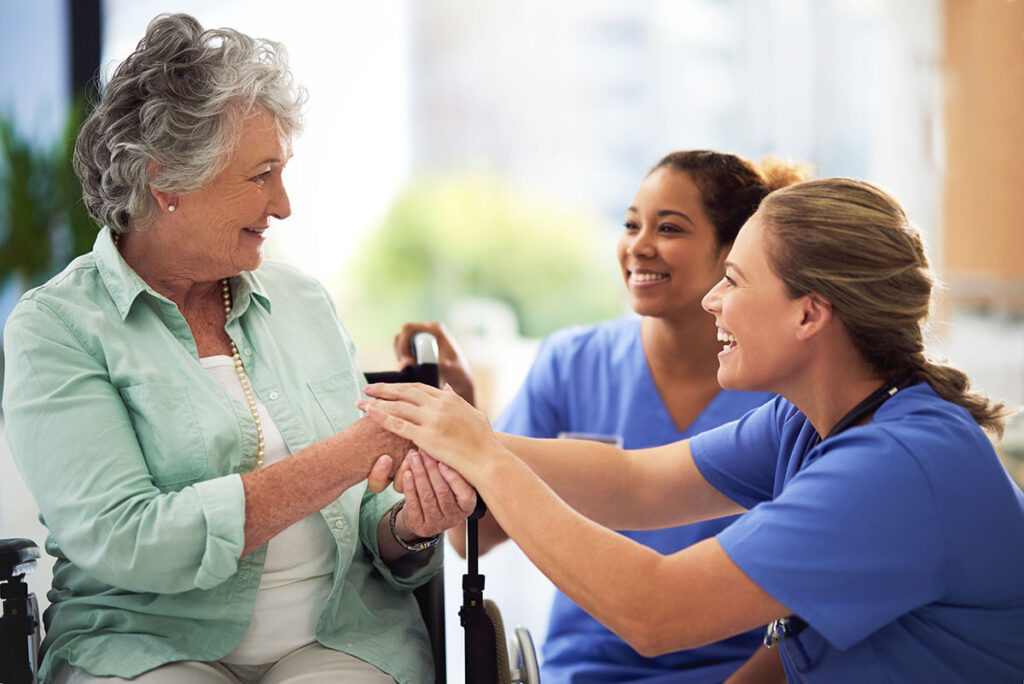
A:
337	395
168	432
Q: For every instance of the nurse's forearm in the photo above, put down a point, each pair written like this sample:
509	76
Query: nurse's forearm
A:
586	474
624	489
656	603
288	491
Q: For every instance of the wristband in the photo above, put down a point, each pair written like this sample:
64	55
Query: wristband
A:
411	548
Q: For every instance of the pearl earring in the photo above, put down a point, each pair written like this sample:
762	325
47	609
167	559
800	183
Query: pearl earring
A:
170	207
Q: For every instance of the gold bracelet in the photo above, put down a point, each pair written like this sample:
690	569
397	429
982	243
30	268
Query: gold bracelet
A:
411	548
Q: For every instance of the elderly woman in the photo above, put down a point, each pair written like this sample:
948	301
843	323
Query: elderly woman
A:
882	538
184	412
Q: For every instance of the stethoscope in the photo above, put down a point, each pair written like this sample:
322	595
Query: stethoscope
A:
784	628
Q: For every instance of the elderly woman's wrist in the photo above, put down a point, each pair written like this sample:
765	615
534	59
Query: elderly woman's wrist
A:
371	442
404	535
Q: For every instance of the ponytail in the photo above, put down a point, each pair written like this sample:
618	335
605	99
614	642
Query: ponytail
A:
953	385
851	243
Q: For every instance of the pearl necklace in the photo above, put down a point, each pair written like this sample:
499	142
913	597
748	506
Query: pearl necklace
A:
250	398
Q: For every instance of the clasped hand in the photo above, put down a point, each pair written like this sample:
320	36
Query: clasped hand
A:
436	497
439	422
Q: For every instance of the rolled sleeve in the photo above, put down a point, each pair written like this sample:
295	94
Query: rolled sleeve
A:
223	505
411	570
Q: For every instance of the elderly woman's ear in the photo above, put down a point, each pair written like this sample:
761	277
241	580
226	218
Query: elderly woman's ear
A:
166	200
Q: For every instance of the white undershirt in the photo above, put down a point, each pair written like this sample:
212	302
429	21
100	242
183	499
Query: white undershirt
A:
299	569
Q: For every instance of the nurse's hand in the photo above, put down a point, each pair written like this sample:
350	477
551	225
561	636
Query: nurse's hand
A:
452	365
437	421
436	497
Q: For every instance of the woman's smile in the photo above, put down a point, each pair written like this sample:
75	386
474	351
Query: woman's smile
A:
730	342
257	233
645	278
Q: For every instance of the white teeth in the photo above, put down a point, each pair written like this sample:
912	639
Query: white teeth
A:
647	277
728	338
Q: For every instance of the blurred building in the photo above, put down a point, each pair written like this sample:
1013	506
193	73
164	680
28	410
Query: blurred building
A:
578	100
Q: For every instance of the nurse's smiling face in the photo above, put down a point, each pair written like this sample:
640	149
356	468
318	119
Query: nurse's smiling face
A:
668	251
756	317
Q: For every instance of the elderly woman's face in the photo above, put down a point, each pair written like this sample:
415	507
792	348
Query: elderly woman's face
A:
222	225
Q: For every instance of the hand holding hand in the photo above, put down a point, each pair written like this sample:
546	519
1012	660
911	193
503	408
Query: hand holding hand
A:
438	421
452	364
436	497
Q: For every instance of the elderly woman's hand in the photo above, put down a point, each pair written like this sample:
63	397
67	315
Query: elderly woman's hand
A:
451	363
381	473
436	497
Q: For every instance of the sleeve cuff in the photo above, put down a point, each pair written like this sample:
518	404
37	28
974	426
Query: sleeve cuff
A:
223	503
407	572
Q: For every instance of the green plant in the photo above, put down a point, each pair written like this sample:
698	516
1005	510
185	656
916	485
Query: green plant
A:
43	222
445	239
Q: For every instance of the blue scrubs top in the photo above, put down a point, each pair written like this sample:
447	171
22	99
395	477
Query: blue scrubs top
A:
900	542
596	379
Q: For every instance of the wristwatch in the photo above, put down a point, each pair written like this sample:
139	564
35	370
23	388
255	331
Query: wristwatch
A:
421	545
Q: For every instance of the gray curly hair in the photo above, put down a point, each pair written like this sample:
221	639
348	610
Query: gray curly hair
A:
170	115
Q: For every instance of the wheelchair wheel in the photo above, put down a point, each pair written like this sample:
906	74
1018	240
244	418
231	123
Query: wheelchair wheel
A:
524	658
501	671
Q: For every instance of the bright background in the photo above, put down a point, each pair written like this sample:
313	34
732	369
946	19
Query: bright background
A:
471	162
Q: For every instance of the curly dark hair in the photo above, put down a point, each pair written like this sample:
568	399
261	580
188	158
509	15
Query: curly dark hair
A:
731	187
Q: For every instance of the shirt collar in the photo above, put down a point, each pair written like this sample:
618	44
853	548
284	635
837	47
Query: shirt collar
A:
125	285
246	287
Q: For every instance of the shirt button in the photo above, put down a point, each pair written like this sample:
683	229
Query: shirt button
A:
247	352
273	396
339	523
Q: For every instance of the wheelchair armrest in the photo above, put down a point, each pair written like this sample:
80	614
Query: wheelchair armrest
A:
427	373
17	557
423	348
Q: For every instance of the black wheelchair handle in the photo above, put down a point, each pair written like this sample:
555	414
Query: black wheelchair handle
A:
17	557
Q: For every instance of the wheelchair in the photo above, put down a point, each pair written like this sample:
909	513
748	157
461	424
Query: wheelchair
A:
487	656
20	623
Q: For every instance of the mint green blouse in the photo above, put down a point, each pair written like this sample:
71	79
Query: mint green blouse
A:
134	453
